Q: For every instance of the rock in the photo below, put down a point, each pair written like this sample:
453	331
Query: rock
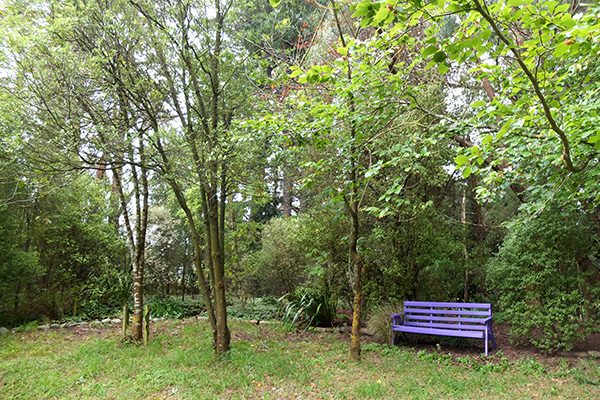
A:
155	320
82	323
54	326
580	354
65	325
593	353
106	321
3	331
44	327
115	321
95	322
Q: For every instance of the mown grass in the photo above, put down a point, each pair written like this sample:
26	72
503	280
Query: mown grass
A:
265	362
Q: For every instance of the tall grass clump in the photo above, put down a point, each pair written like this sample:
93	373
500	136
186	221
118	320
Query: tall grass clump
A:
379	321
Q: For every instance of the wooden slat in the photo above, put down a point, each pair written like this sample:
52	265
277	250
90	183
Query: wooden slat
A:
480	327
446	311
446	319
446	304
439	332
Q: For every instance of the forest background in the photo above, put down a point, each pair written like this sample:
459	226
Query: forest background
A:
344	155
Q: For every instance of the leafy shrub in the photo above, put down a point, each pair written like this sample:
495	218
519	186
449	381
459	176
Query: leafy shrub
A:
541	285
260	309
280	265
308	307
92	308
174	307
379	321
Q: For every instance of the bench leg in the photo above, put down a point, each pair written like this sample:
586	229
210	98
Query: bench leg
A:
393	337
486	342
492	336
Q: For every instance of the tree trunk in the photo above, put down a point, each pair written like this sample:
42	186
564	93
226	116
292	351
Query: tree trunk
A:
353	205
357	267
223	335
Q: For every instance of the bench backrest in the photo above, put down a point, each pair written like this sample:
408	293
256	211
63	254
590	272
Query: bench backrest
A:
469	316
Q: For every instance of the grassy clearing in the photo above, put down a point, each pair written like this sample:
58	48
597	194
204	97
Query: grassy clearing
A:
266	362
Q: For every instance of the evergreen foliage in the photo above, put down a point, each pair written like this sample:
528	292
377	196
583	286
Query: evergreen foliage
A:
543	285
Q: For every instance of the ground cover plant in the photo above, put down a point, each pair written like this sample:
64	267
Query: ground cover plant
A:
270	362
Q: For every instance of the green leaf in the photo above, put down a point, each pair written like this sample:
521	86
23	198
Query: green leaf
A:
485	35
478	103
275	3
365	21
594	139
461	160
488	139
443	68
466	172
439	57
370	173
381	15
296	73
363	9
342	50
429	50
560	50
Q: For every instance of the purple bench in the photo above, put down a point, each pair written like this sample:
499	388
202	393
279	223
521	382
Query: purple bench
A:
468	320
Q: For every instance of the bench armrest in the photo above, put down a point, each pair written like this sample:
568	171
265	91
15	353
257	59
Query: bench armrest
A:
397	319
488	319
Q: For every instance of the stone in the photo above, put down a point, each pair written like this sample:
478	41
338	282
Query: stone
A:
593	353
155	320
54	326
580	354
4	331
115	321
65	325
106	321
43	327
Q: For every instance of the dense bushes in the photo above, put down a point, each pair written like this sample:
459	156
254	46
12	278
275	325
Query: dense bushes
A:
59	256
259	309
175	307
546	281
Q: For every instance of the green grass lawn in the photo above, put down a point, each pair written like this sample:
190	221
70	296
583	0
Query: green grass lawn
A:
266	362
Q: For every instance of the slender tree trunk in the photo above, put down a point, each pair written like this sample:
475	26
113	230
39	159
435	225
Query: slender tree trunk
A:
183	280
352	205
357	267
223	335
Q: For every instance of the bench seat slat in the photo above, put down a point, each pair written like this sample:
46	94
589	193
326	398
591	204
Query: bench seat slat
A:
440	332
486	306
446	319
447	326
443	312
